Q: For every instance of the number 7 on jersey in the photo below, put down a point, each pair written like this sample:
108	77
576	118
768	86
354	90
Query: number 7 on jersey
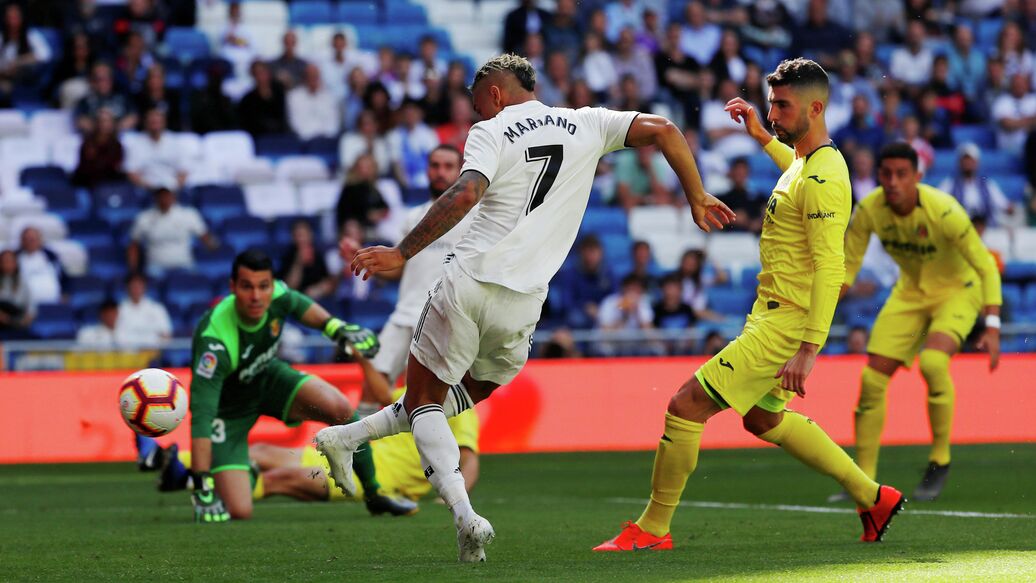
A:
551	156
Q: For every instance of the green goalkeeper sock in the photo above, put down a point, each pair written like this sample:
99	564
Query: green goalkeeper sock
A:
363	464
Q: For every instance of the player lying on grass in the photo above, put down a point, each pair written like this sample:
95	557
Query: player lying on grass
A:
237	377
946	278
803	266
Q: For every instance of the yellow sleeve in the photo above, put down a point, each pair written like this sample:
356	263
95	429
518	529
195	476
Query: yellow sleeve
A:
962	233
825	215
781	154
465	428
856	239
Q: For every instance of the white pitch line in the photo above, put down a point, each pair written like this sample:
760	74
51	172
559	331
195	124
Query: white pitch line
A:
823	509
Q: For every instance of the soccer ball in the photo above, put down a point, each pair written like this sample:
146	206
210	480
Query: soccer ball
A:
153	402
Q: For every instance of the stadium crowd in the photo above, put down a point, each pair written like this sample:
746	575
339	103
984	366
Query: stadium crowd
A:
135	148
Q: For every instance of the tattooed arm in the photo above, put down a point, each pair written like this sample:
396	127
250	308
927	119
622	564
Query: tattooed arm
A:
445	213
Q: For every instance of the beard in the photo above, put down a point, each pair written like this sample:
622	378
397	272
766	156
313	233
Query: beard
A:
790	137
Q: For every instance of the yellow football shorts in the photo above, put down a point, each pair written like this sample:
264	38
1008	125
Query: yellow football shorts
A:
906	320
741	375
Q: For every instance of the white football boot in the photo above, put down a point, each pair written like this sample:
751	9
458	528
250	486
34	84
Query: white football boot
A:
334	444
472	537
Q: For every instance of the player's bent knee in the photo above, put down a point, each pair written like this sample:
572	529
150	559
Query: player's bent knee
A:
690	400
758	422
932	362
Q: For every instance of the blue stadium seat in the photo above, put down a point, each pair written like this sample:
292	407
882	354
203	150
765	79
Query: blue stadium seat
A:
617	252
326	148
54	321
107	263
403	12
749	277
197	73
175	75
186	290
415	196
86	292
37	176
240	233
1029	298
186	44
219	203
1013	186
62	200
605	221
1019	271
981	135
986	33
356	13
277	146
116	202
309	12
999	162
1012	295
214	264
90	233
763	168
945	163
730	301
371	313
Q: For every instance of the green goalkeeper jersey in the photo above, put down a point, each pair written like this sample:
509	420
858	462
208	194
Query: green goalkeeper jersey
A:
228	356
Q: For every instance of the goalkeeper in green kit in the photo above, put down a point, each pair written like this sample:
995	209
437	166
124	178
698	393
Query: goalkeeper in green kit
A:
236	377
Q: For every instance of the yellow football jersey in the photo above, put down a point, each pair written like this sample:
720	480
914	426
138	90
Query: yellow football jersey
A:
801	246
936	247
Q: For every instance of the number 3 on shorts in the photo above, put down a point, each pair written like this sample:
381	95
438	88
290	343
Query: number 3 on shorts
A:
219	430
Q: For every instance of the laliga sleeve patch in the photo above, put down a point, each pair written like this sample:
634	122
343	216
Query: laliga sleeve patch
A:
207	365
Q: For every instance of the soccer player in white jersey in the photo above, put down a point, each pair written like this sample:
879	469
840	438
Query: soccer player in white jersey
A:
415	279
530	167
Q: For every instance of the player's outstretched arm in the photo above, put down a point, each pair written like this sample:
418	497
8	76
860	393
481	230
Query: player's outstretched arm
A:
445	213
649	129
743	112
350	338
976	253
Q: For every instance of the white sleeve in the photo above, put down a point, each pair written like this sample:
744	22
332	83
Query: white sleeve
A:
1000	201
614	127
1002	108
138	229
163	325
647	313
608	313
197	226
481	152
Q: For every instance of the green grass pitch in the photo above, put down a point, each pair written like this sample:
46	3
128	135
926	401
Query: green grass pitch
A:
105	522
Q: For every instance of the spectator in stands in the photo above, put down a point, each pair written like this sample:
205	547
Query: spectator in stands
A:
862	173
995	86
563	31
40	268
133	63
1015	115
628	96
521	21
635	61
409	144
651	34
212	110
927	12
627	309
967	64
695	279
865	49
677	73
163	236
377	100
104	335
20	50
587	283
727	137
155	95
645	269
302	265
262	110
360	199
741	199
598	67
754	88
701	38
981	196
144	17
289	69
154	160
1011	49
768	26
17	304
934	119
313	111
336	68
911	65
728	62
1029	162
365	140
820	36
455	132
713	343
83	17
856	341
912	134
948	98
890	119
70	79
580	95
622	15
457	79
534	51
560	345
236	43
428	60
102	95
643	177
101	154
882	17
671	312
552	87
435	104
712	166
142	322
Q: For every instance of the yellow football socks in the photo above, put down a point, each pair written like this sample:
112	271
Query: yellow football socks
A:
935	367
675	459
870	419
808	443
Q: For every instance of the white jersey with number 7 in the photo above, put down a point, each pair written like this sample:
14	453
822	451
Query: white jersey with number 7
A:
540	162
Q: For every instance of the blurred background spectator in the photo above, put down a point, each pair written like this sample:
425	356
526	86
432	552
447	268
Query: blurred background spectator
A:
161	237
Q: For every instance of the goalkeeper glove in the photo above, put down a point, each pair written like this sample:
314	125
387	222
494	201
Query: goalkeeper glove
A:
208	506
350	336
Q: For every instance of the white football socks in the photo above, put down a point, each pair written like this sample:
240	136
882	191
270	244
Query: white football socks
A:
440	457
394	419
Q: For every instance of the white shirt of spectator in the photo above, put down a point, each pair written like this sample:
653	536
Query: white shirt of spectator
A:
540	162
167	236
610	315
599	71
37	44
910	68
354	144
971	197
1008	106
423	269
415	88
731	145
701	44
421	140
314	114
157	161
144	324
100	337
335	74
42	277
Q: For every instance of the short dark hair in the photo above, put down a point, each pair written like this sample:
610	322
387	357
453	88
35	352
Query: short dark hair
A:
447	148
631	279
133	275
109	304
799	73
254	259
589	241
898	150
518	66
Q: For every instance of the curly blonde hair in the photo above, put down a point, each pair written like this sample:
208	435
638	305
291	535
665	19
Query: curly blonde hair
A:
517	65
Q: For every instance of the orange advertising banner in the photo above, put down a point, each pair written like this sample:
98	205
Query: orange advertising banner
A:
553	405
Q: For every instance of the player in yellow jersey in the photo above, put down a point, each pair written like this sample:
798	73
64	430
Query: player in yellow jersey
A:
801	250
946	276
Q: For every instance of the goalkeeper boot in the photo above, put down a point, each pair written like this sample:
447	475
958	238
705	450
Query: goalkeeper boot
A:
932	483
877	518
381	503
472	537
334	444
174	476
149	454
633	538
